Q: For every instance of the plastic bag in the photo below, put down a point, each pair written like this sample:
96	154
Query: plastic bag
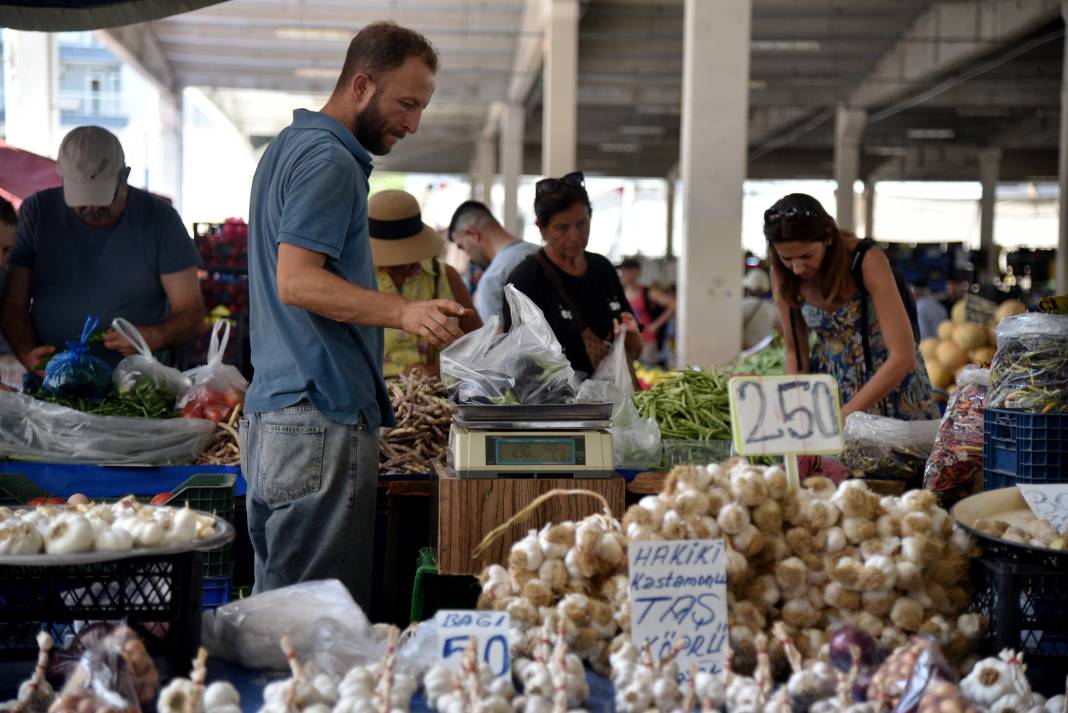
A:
107	665
216	388
1030	369
955	468
615	368
527	365
338	652
141	376
77	374
882	447
248	631
32	429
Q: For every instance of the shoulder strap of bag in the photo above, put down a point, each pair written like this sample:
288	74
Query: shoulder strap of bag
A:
554	279
437	278
856	269
793	333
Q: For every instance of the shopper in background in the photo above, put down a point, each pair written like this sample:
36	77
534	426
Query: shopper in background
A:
578	291
760	318
405	252
956	288
653	309
309	438
487	243
98	245
8	224
929	311
814	290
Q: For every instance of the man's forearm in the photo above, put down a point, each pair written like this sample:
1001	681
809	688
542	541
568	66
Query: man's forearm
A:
179	329
324	293
18	331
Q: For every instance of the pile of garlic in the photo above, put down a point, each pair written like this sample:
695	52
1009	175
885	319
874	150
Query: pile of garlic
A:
568	574
474	690
643	684
36	694
554	679
88	527
188	695
999	685
1033	531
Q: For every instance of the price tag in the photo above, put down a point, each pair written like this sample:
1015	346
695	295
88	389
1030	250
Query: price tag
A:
978	309
490	629
1049	502
776	415
1054	305
678	600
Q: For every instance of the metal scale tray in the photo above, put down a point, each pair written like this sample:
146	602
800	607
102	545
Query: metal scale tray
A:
518	417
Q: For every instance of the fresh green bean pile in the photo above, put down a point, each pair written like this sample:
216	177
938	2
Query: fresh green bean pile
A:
144	400
1030	374
690	405
770	360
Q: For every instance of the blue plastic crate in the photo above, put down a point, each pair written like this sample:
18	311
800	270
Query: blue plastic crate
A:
216	592
1024	448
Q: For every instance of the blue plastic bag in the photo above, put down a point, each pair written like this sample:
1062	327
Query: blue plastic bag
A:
77	374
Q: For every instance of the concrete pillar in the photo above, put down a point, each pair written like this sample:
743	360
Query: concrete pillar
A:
30	83
170	143
669	248
989	167
560	75
512	120
486	169
715	109
848	130
1061	264
869	208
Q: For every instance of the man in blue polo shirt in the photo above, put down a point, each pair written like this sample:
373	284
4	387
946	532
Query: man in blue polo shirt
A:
310	446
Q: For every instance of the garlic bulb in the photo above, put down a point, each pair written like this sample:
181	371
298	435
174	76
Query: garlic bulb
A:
113	539
19	538
69	534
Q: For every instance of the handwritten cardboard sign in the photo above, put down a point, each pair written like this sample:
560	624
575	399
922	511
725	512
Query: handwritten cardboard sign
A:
490	629
1054	305
775	415
1049	502
979	309
678	598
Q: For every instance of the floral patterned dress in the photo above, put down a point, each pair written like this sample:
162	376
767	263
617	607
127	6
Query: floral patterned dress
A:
839	352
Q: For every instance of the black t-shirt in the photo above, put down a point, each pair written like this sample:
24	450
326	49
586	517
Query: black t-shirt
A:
598	295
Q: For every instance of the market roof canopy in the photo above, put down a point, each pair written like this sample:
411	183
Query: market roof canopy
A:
23	173
67	15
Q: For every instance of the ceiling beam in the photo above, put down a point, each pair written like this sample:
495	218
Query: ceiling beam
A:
138	46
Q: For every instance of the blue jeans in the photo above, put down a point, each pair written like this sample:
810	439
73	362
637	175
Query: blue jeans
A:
311	499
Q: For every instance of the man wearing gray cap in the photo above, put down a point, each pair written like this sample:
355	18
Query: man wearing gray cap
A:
97	245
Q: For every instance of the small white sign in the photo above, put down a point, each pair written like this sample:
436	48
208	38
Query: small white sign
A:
979	310
490	629
776	415
1049	502
678	599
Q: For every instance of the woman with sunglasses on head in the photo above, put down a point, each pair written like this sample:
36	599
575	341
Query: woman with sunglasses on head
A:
864	336
578	291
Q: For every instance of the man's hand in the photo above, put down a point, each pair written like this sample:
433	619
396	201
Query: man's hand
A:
35	356
117	343
432	320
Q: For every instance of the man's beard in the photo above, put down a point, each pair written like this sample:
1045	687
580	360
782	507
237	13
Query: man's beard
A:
372	128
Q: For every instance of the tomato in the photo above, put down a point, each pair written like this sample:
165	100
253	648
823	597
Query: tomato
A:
161	499
46	501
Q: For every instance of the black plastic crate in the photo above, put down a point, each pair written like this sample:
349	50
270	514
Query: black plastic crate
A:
158	596
1021	448
1027	606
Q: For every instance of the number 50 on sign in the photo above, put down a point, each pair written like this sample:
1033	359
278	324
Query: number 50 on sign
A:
778	415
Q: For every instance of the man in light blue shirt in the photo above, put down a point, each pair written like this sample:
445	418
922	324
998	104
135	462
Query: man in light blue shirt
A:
309	440
487	243
929	312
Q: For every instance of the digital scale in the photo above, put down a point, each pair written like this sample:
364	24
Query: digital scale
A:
539	441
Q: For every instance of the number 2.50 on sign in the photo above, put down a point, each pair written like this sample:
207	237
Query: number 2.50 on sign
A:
777	415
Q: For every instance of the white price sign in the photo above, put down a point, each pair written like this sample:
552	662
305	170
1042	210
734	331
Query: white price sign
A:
490	630
678	600
779	415
1049	502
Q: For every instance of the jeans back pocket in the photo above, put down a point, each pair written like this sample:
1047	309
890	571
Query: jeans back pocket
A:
290	462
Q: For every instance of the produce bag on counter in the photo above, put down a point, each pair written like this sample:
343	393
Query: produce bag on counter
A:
955	468
75	373
887	448
106	668
141	376
38	430
524	366
1030	369
217	388
635	440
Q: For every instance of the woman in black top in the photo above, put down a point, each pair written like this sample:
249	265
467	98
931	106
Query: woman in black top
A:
578	291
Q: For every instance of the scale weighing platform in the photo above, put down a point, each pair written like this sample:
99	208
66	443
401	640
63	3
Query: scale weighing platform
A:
539	441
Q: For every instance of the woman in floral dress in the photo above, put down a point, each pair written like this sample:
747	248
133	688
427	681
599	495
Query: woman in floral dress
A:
816	294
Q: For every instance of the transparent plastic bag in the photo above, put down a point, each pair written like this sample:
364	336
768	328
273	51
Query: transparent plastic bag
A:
955	467
32	429
635	440
882	447
338	650
216	388
615	368
1030	369
526	365
107	666
248	631
75	373
140	373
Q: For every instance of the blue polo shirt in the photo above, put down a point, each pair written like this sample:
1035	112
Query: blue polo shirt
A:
310	190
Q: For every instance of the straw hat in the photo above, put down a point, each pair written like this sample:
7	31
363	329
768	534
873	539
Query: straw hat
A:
398	234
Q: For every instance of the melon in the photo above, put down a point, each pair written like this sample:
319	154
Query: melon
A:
945	330
957	313
982	356
970	336
1009	308
941	377
928	347
993	334
950	355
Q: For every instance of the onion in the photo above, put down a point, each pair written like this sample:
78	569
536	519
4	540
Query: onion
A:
844	638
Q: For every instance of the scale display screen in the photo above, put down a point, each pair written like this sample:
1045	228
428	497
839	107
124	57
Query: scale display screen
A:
535	450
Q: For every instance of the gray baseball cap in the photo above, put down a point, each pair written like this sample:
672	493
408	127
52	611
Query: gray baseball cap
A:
90	162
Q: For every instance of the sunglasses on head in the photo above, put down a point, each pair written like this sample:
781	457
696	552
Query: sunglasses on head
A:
772	215
545	186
